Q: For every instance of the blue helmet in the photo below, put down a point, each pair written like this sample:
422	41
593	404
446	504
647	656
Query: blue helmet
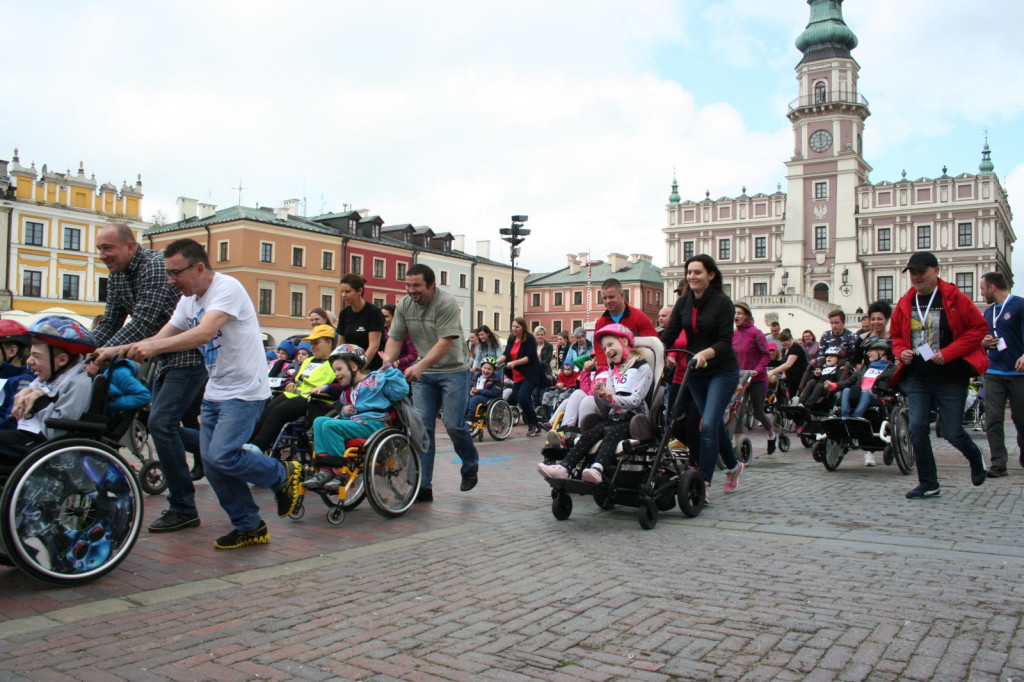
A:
64	333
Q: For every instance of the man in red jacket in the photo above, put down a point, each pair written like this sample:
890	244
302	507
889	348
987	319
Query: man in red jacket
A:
936	335
617	310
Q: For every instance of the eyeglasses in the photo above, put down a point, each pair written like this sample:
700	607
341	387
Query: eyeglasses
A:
174	274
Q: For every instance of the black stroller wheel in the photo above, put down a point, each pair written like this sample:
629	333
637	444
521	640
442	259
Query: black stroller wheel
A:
647	513
691	493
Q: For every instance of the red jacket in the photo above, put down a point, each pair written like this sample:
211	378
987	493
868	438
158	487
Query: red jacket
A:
965	322
634	320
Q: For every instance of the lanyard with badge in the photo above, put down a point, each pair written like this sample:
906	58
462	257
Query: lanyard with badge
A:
996	313
925	349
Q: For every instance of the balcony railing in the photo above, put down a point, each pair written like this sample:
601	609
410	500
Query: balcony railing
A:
829	98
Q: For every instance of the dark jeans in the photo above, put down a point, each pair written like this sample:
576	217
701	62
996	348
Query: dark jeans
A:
948	400
282	410
448	393
173	392
712	393
523	396
1000	388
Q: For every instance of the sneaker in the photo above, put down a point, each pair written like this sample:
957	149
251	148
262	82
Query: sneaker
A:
997	472
795	401
676	444
869	459
978	473
552	471
317	480
554	439
707	493
771	444
732	478
425	495
171	521
242	538
291	491
592	474
333	485
922	491
254	449
534	430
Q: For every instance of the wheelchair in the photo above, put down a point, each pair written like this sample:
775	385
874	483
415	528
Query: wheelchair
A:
648	475
382	469
496	416
71	510
135	443
885	427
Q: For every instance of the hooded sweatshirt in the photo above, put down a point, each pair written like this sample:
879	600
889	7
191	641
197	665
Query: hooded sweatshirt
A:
751	350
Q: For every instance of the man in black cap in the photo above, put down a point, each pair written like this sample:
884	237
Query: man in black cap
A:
936	336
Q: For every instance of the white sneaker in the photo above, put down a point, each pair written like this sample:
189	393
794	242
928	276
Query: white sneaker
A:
869	459
795	401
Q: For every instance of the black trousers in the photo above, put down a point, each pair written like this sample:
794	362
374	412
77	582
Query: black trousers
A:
281	410
14	445
611	432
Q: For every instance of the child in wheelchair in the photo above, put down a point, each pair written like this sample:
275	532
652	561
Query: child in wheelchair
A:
14	374
619	394
815	389
858	392
366	403
124	388
565	384
486	387
62	387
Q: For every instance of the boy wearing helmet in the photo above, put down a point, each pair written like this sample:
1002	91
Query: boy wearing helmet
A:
366	397
857	395
486	387
62	388
14	374
622	390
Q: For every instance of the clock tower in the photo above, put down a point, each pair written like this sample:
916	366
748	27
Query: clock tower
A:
819	241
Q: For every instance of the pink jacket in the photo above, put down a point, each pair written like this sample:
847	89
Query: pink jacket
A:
751	350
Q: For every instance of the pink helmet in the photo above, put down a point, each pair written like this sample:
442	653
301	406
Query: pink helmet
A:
615	329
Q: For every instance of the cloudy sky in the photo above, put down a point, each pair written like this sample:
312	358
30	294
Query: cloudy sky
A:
457	114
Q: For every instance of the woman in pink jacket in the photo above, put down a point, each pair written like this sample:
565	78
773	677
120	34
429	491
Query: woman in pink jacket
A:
752	354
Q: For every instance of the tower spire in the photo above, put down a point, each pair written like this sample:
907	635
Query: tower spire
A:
674	197
826	35
986	165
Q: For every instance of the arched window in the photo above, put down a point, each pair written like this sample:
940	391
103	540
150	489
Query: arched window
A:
820	96
821	291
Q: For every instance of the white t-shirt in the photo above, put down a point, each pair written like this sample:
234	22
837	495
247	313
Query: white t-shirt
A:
235	359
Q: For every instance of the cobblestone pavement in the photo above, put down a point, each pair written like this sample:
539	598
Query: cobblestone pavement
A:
801	574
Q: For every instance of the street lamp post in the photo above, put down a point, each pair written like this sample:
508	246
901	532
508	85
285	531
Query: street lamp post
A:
515	236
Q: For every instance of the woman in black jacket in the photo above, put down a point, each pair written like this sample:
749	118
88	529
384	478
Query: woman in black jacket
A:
520	357
706	314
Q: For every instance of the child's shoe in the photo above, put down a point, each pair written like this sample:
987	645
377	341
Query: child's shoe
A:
317	480
593	474
869	459
552	470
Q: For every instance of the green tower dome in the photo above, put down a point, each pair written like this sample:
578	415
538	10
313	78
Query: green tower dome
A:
674	197
826	35
986	165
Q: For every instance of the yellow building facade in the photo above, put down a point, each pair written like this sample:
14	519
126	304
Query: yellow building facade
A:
49	222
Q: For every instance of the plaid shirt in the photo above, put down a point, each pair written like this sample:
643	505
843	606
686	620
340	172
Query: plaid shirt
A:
143	292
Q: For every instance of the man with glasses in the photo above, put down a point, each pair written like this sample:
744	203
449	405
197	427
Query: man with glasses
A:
138	289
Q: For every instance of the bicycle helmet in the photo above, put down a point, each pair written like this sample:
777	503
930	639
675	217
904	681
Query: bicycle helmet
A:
64	333
878	343
13	332
615	329
350	351
835	350
493	362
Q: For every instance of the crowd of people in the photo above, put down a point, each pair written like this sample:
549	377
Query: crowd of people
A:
199	331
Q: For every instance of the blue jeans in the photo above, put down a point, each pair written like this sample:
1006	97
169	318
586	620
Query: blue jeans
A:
225	428
865	400
523	393
949	400
712	394
173	391
450	393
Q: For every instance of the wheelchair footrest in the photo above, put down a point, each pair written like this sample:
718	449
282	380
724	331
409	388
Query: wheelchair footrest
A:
575	486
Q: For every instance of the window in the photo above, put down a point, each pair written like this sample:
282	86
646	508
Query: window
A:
497	286
885	239
727	289
760	289
222	251
298	310
760	247
924	237
379	302
33	234
821	190
821	237
724	249
69	287
327	260
964	235
625	295
576	324
479	318
101	288
357	265
72	239
497	321
536	300
687	251
479	283
600	297
965	283
32	283
820	93
327	301
577	298
378	268
297	256
266	252
400	270
463	281
885	288
444	278
266	302
556	326
558	299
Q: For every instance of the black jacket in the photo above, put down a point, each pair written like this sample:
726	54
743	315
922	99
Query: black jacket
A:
527	349
712	327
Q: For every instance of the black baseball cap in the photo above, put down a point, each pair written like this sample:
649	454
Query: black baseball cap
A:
682	283
921	260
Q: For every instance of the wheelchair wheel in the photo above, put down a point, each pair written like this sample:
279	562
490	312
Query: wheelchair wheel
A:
691	493
356	493
151	477
807	440
335	516
392	473
517	415
833	455
71	512
903	450
500	419
818	451
602	499
887	457
783	442
746	451
647	513
748	416
299	511
561	506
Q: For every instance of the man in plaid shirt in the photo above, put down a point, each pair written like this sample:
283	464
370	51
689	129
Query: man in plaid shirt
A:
138	287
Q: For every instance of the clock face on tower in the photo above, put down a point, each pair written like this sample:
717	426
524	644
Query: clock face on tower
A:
821	140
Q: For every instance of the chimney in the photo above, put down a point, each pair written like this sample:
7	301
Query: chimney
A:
483	249
617	261
290	207
187	208
644	257
459	242
363	212
634	257
206	210
574	263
